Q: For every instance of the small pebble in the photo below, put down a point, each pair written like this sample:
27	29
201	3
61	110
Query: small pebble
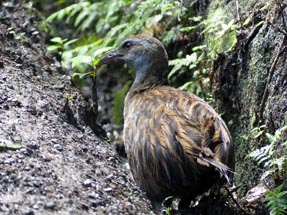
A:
2	174
35	33
33	145
47	158
10	86
54	141
6	107
50	205
13	176
30	212
110	176
58	147
87	183
108	189
93	195
25	151
10	161
60	86
96	203
36	206
4	97
20	156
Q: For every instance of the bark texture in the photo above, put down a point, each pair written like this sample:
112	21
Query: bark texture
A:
252	82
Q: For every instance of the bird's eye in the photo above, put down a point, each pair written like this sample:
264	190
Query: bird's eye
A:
127	45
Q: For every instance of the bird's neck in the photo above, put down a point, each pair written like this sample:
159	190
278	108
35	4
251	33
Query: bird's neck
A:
149	76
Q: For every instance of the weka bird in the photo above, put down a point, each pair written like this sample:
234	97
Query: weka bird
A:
176	144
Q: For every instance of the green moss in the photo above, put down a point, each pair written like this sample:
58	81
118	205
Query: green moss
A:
250	85
119	103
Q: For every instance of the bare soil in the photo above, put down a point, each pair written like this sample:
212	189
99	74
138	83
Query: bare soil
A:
51	161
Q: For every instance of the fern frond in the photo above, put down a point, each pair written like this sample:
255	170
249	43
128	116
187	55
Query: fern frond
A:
276	201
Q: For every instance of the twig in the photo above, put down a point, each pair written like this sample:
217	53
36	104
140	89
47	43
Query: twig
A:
251	36
234	200
237	11
283	15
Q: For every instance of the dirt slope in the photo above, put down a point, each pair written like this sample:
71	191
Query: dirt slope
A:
62	167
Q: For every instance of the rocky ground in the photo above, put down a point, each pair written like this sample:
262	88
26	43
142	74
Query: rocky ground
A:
51	161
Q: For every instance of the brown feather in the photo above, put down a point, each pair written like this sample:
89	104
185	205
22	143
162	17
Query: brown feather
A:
176	143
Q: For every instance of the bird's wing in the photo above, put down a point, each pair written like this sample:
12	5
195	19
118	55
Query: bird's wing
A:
172	134
201	132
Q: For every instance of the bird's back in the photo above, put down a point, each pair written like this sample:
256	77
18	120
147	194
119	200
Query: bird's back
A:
176	143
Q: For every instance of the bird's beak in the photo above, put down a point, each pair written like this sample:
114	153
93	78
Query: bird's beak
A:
111	57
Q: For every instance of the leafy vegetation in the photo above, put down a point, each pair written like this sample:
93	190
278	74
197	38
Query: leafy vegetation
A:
276	201
274	161
102	25
167	206
220	38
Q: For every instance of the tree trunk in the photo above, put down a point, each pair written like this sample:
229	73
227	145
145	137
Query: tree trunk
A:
251	85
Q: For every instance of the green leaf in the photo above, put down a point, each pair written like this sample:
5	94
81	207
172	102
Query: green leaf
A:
266	6
53	48
58	40
244	137
276	201
70	42
101	51
265	174
186	86
119	97
270	137
88	21
246	22
166	7
98	54
189	28
82	75
284	144
8	145
76	61
189	61
111	35
82	15
70	96
199	48
259	23
196	18
258	134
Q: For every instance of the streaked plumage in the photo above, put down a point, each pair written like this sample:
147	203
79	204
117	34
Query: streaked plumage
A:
176	143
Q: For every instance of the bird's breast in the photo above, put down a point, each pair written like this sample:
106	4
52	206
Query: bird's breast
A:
154	153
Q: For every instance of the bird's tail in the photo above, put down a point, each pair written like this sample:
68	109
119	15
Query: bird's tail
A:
223	169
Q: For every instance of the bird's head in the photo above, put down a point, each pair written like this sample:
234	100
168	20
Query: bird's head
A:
146	55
